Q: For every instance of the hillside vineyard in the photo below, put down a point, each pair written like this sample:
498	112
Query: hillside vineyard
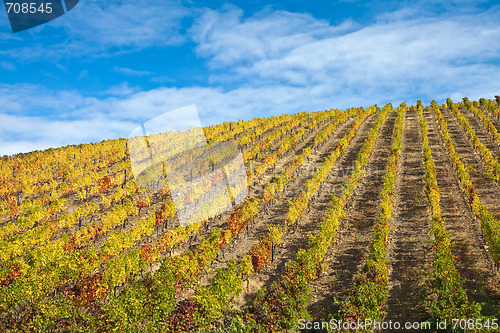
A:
381	214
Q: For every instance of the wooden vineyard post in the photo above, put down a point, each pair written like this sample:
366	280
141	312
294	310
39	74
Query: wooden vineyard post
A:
275	233
125	179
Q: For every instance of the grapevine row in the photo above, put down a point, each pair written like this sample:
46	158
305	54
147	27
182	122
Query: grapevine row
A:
185	274
447	285
371	283
281	306
490	227
213	304
489	159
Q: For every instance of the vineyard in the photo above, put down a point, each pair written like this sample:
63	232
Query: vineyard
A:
384	213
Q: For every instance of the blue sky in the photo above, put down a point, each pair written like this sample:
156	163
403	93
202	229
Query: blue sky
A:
106	66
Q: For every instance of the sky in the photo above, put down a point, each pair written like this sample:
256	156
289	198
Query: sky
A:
106	67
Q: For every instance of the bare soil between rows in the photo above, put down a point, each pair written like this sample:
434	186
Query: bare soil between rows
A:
346	256
409	255
474	261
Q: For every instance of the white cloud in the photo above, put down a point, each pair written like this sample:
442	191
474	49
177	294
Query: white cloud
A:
7	66
100	28
227	39
122	89
131	23
25	134
409	56
92	119
131	72
33	100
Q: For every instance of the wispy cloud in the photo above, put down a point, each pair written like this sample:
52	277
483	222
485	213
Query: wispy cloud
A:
91	119
7	66
23	134
122	89
37	100
131	72
410	56
99	29
226	38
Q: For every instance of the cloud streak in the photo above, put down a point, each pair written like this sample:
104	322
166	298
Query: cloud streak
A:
92	119
425	52
131	72
99	29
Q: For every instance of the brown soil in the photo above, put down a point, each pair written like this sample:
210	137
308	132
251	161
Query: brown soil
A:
474	262
487	190
296	237
275	213
348	254
410	258
494	119
482	132
409	255
276	209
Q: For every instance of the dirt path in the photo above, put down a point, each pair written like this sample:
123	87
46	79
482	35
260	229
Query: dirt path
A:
487	190
220	221
279	206
474	262
495	121
255	189
276	213
410	259
296	237
355	232
482	132
284	161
